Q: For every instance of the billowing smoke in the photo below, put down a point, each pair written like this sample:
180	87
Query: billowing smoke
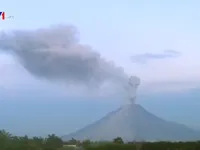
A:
56	54
131	88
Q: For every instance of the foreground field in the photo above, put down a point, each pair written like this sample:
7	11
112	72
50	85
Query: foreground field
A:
53	142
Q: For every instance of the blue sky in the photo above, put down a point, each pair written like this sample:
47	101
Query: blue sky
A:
118	30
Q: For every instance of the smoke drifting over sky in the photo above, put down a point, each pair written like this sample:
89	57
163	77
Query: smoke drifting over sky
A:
55	54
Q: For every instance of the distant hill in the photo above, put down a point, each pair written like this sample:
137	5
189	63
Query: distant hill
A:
133	122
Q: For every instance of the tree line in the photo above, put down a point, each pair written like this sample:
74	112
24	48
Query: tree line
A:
53	142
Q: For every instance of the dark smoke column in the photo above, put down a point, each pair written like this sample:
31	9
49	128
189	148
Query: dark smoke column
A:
132	87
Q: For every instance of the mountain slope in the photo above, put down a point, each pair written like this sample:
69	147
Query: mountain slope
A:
133	122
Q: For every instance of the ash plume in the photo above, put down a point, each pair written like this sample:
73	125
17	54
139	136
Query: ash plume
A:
56	54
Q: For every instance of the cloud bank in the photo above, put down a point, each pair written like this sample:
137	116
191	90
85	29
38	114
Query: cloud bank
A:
56	54
144	58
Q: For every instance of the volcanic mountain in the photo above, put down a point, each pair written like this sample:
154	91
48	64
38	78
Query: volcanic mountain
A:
132	122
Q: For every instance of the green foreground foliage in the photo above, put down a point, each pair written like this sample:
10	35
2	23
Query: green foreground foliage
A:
11	142
53	142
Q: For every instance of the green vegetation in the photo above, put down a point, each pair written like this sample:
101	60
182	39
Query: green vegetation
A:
53	142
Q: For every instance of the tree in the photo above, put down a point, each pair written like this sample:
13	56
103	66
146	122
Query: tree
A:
52	142
72	141
118	140
4	139
86	143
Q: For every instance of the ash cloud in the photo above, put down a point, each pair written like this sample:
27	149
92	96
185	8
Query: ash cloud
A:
56	54
144	58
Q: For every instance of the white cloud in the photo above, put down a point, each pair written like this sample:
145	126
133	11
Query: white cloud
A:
184	68
164	75
145	57
172	74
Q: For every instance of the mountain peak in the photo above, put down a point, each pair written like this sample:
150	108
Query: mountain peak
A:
133	122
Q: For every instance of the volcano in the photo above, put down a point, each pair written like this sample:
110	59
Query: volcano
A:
133	123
